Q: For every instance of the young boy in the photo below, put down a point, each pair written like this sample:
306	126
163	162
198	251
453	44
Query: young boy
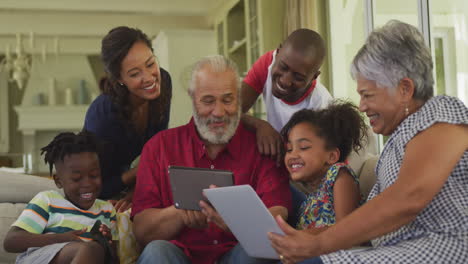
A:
56	229
287	79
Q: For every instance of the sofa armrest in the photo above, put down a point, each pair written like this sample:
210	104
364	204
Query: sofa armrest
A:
367	175
21	188
9	213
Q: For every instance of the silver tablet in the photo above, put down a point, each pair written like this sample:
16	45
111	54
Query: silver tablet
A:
187	184
247	218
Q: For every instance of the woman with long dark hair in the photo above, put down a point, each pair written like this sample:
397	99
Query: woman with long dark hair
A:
133	106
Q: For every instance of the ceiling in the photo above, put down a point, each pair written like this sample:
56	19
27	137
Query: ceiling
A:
96	17
142	7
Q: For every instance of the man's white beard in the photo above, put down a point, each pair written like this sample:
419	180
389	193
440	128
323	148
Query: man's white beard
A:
220	135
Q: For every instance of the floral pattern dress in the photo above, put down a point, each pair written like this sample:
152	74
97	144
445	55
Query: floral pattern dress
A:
318	210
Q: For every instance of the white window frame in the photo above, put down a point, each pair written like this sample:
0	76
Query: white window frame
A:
423	23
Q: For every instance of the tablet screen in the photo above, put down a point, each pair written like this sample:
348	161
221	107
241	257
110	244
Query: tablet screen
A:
187	184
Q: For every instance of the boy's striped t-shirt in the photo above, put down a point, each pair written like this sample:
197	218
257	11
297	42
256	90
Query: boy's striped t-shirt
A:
50	212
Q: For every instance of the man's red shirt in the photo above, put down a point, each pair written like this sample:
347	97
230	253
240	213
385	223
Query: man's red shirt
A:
182	146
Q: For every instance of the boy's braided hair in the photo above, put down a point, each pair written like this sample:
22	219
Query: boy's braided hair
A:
68	143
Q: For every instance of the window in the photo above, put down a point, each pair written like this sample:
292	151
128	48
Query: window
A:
443	23
448	23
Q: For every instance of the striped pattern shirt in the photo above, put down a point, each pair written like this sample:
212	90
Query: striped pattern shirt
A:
50	212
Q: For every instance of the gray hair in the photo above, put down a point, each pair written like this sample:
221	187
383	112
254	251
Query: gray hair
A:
217	63
393	52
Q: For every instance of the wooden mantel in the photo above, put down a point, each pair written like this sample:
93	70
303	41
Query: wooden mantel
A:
33	120
36	118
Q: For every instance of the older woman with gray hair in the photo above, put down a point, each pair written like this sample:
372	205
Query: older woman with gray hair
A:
417	212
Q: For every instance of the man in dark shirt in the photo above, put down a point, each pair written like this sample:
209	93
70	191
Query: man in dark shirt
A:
214	139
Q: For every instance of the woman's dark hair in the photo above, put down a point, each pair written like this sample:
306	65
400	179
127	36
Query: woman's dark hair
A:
68	143
114	47
341	125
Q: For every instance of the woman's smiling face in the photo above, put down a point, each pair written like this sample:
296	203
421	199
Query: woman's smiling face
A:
140	72
384	108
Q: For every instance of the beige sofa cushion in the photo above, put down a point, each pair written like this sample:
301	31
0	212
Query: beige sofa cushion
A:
16	190
367	175
9	212
21	188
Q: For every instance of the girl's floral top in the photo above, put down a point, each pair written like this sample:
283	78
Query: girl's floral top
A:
317	210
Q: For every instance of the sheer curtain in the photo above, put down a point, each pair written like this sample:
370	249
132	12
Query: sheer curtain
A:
310	14
299	15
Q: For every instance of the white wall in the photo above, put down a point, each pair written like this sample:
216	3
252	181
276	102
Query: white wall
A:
177	50
80	27
346	31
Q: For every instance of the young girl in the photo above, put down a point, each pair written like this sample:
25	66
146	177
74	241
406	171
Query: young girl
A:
57	229
317	145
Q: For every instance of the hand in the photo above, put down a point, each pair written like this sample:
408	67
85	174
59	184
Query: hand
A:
106	232
123	204
71	235
269	141
129	177
212	215
193	219
295	245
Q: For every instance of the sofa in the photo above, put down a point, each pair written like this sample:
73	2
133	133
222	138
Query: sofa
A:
16	190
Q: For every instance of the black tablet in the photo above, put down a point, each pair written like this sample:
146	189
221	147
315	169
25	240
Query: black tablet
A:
187	184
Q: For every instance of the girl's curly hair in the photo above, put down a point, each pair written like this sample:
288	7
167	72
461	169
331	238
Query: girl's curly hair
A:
341	125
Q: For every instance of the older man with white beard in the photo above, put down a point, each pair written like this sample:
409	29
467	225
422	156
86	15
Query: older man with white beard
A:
214	139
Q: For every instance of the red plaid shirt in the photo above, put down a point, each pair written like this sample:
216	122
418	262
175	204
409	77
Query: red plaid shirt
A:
182	146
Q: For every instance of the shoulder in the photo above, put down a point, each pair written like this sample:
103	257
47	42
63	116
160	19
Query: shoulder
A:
258	74
101	107
46	198
247	136
439	109
339	169
166	77
102	205
267	58
320	89
446	108
247	140
320	95
49	195
171	135
103	101
264	61
164	73
102	116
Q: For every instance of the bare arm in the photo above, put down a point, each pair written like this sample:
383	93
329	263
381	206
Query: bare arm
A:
346	194
429	159
19	240
129	177
165	224
316	230
248	96
268	139
279	210
157	224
